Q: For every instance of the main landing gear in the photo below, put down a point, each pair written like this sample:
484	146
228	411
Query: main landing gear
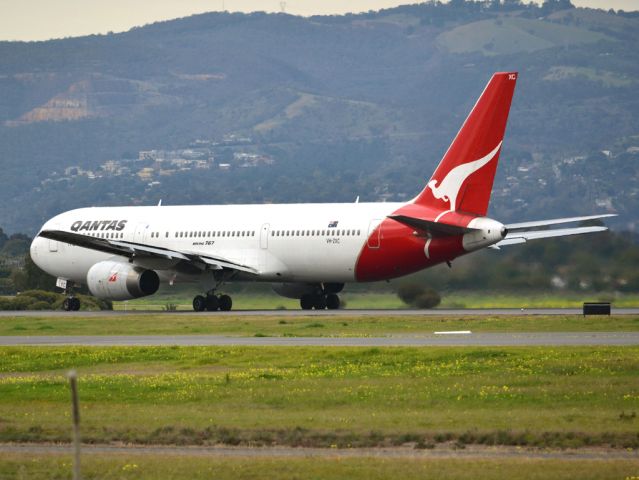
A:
212	303
319	301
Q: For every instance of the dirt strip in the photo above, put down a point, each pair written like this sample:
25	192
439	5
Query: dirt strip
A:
469	452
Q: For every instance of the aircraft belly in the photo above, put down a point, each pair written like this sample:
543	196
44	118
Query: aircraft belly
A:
317	260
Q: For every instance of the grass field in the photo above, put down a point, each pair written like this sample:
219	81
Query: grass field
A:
304	326
107	467
266	301
309	396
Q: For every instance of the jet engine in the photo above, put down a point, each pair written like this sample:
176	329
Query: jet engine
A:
112	280
297	290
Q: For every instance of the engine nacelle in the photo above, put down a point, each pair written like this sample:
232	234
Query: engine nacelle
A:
296	290
112	280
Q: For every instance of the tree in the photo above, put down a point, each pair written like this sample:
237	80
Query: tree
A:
30	277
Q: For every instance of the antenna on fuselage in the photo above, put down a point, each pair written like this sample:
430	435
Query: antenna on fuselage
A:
160	203
357	199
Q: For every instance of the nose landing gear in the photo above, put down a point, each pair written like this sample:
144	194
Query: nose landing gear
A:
212	303
71	304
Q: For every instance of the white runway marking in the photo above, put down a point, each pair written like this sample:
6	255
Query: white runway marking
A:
454	332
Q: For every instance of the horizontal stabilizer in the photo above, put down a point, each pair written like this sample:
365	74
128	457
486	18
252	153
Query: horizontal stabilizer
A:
513	238
435	229
555	221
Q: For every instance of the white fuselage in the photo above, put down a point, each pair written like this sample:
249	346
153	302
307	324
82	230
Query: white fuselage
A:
285	242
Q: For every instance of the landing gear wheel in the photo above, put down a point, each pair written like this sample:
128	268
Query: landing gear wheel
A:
332	301
71	304
212	303
319	302
225	303
199	303
306	302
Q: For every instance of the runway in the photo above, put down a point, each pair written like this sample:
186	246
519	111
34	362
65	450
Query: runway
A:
428	340
469	452
321	313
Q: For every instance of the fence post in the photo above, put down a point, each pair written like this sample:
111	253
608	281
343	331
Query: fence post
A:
73	382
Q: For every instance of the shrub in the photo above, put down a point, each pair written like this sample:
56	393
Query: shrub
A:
418	296
40	306
43	300
41	295
429	299
408	292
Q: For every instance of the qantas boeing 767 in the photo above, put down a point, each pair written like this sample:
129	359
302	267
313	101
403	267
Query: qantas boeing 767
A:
308	251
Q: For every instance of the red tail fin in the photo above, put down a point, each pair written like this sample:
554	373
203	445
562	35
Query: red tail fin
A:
464	178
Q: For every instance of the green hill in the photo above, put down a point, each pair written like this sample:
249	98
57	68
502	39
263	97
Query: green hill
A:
232	108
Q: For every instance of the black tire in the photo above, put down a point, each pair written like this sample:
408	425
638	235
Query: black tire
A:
199	303
306	302
226	303
75	304
66	305
212	303
319	302
332	301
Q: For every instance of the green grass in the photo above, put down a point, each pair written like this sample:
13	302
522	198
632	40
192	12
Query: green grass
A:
305	326
194	467
509	35
303	396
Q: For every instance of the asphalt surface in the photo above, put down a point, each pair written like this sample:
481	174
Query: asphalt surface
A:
470	452
432	340
322	313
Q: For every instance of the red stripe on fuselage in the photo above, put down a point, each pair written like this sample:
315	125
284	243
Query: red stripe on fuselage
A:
401	252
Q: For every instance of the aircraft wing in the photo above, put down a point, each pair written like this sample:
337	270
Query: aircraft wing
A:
133	250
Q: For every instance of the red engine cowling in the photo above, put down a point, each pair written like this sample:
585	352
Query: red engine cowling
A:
112	280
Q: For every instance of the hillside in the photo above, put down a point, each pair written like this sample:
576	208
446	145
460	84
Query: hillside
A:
275	108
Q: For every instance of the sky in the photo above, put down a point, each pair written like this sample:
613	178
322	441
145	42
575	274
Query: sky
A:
46	19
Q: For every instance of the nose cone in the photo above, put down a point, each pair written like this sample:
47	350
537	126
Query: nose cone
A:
37	250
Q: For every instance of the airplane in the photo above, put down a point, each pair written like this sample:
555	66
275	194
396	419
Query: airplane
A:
307	251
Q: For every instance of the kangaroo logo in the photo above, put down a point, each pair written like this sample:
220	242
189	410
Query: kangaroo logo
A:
449	188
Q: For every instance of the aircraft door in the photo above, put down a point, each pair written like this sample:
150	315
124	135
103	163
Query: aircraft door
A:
53	246
140	232
374	233
264	236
